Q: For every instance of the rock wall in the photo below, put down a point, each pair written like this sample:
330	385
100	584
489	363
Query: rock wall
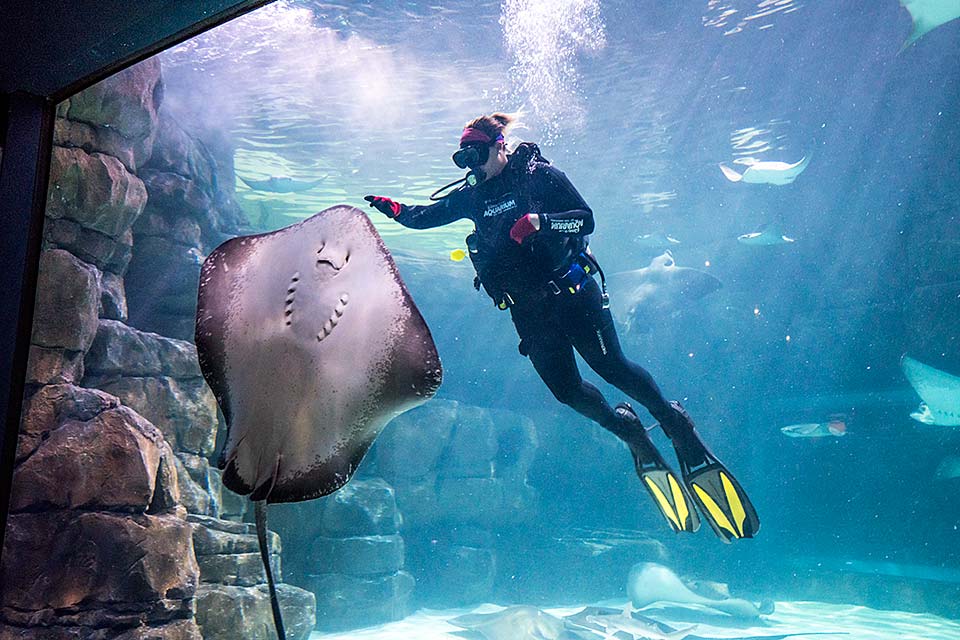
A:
116	526
421	523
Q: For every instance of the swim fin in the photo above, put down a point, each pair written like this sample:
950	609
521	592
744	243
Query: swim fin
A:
660	481
719	496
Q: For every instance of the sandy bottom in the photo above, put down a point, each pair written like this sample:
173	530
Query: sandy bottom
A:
840	621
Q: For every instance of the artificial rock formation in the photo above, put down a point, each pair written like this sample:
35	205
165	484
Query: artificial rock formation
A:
97	544
460	474
346	549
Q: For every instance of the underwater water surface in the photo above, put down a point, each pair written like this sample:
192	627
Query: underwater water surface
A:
794	152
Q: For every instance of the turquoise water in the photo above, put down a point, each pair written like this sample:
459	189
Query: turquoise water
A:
639	103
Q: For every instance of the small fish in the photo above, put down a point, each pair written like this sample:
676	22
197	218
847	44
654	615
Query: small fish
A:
834	427
458	255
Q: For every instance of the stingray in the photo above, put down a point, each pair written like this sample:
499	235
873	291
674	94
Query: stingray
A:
927	15
656	240
521	622
653	584
311	344
659	288
767	172
939	391
768	236
624	621
281	184
614	623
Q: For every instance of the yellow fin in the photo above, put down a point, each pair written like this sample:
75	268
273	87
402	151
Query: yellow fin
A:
715	511
664	503
733	499
683	512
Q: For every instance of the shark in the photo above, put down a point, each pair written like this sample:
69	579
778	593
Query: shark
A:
927	15
659	288
938	390
767	172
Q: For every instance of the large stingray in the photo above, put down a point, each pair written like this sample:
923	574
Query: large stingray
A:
767	172
939	390
280	184
311	344
927	15
658	289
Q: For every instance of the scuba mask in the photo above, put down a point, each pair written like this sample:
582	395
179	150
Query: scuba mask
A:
473	153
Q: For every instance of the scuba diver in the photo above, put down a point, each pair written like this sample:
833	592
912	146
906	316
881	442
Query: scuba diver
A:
529	249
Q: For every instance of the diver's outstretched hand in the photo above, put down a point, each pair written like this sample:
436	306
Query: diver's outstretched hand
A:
386	206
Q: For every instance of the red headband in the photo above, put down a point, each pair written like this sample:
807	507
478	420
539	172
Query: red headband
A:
476	135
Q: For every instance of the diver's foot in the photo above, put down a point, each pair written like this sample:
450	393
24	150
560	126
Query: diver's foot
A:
682	432
718	495
661	482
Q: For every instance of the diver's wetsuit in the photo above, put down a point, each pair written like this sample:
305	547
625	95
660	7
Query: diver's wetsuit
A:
551	325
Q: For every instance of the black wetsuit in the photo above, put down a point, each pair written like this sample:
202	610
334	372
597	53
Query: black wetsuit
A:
551	325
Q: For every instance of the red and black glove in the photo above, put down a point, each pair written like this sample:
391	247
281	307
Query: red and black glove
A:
524	227
386	206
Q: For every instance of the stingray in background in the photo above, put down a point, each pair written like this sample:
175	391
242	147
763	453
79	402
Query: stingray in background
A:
613	623
650	583
927	15
939	390
311	344
624	622
281	184
658	289
767	172
522	622
768	236
658	240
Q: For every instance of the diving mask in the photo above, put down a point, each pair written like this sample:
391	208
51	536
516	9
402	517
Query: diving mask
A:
473	153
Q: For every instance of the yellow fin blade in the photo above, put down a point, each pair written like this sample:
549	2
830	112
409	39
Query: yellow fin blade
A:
683	511
733	499
714	509
665	506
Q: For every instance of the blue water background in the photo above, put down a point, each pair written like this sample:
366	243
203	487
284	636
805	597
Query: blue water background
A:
653	112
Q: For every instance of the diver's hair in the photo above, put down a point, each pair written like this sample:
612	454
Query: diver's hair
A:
494	124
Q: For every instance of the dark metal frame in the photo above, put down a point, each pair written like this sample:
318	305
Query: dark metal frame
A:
26	131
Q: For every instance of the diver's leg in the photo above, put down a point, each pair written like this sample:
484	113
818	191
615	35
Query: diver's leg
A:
553	358
720	497
592	331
